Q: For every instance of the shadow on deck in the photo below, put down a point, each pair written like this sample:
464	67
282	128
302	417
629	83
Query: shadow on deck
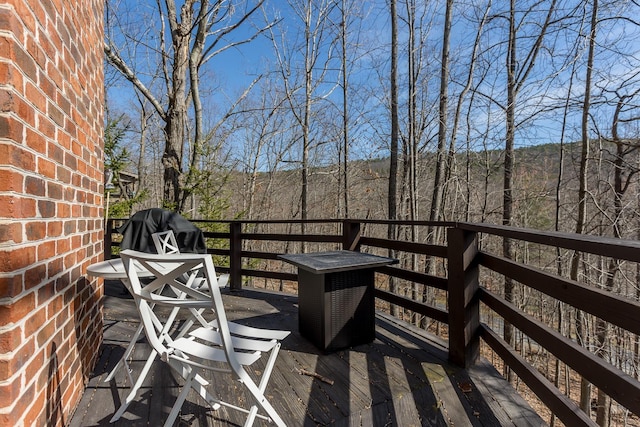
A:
401	379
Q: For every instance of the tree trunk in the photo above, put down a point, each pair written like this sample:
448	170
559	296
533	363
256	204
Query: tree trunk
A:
507	201
345	113
585	386
393	148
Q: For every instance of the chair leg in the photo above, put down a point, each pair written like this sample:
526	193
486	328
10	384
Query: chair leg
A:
264	380
135	387
261	401
127	353
179	400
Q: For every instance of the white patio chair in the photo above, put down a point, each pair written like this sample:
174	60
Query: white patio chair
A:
218	346
165	243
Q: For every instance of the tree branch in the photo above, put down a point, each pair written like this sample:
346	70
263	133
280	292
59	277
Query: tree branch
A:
119	64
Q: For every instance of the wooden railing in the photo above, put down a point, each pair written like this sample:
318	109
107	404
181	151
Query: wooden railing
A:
468	259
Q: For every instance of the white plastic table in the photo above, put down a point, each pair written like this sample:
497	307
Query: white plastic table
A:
113	269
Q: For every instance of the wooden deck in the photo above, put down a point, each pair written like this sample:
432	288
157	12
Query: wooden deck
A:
401	379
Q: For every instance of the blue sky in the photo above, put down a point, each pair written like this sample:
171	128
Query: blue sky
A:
232	71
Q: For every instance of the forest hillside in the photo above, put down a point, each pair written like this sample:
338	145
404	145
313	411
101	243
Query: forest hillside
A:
546	186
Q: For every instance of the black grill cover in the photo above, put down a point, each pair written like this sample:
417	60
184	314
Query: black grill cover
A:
137	231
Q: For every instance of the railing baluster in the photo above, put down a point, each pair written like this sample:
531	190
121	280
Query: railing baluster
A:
108	239
235	255
351	235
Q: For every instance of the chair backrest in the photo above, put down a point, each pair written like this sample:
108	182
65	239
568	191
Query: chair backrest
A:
167	269
165	242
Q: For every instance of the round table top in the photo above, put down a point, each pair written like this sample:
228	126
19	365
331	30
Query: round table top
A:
114	269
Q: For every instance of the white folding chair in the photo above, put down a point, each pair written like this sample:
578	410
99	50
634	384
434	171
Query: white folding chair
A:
217	346
165	243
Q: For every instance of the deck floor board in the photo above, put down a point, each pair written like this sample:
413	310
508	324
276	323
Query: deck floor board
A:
402	378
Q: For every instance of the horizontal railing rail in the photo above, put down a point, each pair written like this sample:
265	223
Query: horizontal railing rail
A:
465	261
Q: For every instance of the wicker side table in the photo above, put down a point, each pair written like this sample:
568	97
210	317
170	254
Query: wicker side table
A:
335	297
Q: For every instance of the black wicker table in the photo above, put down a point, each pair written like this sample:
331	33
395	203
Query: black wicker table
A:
335	297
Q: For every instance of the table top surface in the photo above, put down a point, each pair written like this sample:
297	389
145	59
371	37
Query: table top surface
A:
335	261
114	269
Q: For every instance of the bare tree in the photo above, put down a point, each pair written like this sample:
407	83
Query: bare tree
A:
585	387
519	66
306	88
188	36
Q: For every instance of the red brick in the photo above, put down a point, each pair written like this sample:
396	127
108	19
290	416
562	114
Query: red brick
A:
35	141
24	111
34	48
63	246
23	60
35	276
46	208
21	357
48	87
54	266
11	180
34	186
46	249
53	72
10	22
10	286
64	210
11	128
16	156
17	259
26	16
11	233
7	100
46	168
55	114
54	191
10	76
17	309
63	142
55	153
46	126
54	228
63	175
36	230
35	96
35	321
10	339
46	332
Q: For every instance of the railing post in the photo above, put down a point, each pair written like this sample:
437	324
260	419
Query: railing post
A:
107	239
235	256
351	235
464	306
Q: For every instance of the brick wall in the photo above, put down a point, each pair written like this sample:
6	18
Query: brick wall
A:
51	177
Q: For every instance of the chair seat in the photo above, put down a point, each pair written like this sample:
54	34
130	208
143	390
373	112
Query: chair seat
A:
213	337
249	331
207	353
